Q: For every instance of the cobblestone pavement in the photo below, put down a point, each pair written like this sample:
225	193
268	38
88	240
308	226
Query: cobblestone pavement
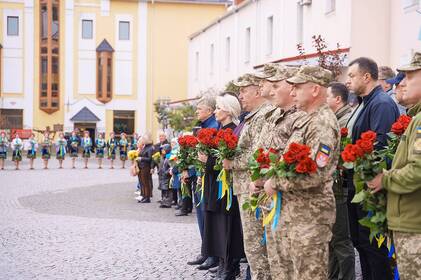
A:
85	224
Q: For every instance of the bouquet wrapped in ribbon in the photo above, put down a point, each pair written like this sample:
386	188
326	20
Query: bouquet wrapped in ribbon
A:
367	164
226	146
186	157
294	162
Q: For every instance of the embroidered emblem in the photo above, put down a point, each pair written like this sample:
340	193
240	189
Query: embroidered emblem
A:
417	143
323	155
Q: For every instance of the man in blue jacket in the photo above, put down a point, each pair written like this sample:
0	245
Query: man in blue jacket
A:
376	112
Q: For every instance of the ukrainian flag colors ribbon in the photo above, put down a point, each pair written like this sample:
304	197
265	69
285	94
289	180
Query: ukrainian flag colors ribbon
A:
224	188
202	191
380	240
184	191
275	211
61	151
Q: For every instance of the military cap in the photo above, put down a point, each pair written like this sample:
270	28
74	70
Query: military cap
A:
268	71
247	80
282	73
315	74
414	65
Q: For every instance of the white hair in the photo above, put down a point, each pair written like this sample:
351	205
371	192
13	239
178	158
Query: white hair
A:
147	138
231	105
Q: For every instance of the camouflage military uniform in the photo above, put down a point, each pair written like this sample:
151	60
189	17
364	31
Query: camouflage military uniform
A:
252	228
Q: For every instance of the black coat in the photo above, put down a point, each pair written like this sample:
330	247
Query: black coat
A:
222	236
145	156
164	174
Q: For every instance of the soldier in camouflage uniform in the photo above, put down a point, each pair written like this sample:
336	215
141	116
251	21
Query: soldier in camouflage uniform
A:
252	229
308	210
403	182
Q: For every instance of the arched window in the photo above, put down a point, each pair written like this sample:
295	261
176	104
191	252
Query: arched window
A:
49	96
104	73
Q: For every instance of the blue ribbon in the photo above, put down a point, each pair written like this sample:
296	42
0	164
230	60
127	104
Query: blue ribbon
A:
278	211
396	273
257	213
219	189
263	241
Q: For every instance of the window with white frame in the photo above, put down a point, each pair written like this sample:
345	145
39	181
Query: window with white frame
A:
12	26
269	35
227	53
330	6
247	51
212	58
196	67
87	29
124	30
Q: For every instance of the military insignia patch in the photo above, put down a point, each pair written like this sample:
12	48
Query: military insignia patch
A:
323	155
417	143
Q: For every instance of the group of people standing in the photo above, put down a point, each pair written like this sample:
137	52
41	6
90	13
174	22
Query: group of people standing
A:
72	147
318	228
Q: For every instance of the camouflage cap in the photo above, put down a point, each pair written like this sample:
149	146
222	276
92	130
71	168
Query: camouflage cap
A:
283	72
315	74
268	71
247	80
414	65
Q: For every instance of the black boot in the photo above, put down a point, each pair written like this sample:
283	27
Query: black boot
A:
199	260
232	268
209	263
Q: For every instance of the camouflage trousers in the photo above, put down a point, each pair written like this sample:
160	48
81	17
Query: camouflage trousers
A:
298	251
408	252
255	251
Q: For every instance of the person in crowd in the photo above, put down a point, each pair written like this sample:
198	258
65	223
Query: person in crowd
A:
86	144
251	101
403	182
100	148
377	112
111	149
395	81
308	203
341	249
61	144
133	142
74	142
385	73
164	176
205	114
4	143
17	146
222	235
175	184
31	148
46	149
144	162
123	145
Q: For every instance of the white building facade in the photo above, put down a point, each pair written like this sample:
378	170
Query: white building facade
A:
255	32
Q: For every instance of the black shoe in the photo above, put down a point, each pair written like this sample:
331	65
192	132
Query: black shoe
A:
209	263
198	260
164	206
189	210
178	207
145	200
173	203
214	270
181	213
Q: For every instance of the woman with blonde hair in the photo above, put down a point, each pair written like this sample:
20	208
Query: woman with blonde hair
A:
144	162
222	235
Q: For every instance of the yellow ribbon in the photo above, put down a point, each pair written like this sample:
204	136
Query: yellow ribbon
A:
225	188
380	240
203	189
267	219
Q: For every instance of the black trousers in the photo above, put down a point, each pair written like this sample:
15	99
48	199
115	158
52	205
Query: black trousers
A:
186	201
375	264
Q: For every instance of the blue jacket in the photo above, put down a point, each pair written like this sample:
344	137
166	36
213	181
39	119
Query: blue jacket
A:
378	115
210	123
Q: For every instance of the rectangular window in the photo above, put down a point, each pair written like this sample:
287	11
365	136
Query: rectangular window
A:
212	57
55	27
330	6
12	26
247	51
196	67
87	29
44	22
227	53
124	30
300	24
124	122
269	35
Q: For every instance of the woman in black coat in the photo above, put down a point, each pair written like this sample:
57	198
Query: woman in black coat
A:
223	236
144	162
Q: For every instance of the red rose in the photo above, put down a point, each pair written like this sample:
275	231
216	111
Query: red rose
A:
365	145
369	135
273	151
357	151
344	132
306	165
289	157
348	157
404	120
398	128
294	148
303	153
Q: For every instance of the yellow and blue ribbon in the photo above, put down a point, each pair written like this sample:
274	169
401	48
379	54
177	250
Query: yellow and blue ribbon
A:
275	211
224	188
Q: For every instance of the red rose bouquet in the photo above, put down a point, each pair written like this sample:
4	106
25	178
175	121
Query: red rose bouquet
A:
226	146
260	163
367	163
395	135
187	155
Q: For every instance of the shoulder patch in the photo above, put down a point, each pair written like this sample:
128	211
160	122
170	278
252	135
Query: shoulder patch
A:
323	155
417	143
